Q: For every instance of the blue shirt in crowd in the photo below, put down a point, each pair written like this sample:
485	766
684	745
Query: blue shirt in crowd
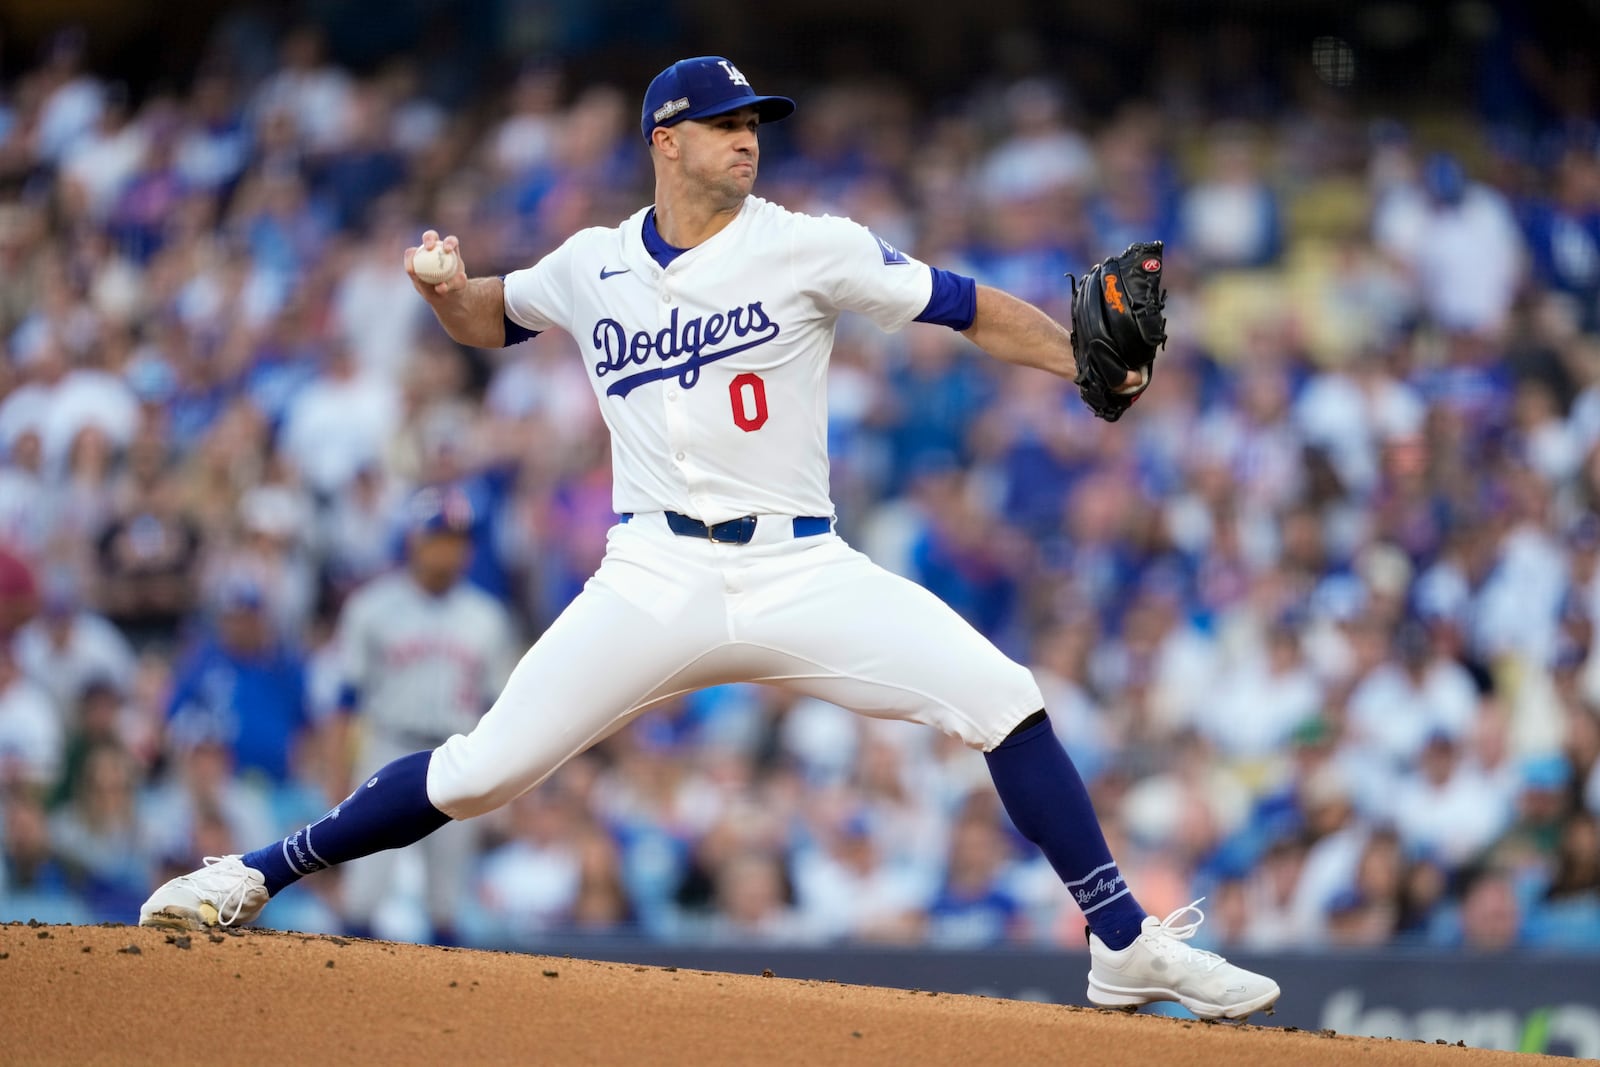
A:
255	704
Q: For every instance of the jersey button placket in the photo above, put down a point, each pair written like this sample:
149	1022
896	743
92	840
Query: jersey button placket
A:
678	430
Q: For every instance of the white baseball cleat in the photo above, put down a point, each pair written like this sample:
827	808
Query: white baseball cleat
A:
222	893
1160	966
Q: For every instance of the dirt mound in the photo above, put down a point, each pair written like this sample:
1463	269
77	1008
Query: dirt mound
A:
117	994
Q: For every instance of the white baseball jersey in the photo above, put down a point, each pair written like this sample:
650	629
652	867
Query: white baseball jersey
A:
424	665
711	372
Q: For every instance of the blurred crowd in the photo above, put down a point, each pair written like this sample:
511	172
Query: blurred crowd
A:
1316	620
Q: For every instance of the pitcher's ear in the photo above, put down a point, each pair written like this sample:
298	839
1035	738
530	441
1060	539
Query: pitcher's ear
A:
664	139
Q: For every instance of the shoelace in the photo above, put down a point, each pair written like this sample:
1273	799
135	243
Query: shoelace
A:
234	896
1183	931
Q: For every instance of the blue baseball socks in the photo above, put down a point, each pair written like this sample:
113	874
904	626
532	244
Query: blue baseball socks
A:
389	810
1045	797
1036	780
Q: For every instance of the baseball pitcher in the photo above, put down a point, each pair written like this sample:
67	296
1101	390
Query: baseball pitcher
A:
706	322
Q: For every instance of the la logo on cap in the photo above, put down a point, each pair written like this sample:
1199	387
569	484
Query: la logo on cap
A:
733	73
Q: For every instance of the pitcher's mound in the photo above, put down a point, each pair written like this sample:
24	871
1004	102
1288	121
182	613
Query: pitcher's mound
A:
118	994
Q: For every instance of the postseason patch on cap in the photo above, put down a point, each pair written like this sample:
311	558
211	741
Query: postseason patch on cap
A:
671	108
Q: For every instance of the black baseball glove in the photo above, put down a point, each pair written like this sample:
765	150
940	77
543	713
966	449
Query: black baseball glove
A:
1117	325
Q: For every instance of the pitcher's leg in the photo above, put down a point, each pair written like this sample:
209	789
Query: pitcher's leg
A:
641	632
1046	799
569	691
837	626
389	810
890	648
868	640
605	661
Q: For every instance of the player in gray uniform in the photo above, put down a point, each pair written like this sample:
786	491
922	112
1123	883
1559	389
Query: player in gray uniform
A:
706	323
422	653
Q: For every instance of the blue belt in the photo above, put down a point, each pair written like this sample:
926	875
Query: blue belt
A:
737	531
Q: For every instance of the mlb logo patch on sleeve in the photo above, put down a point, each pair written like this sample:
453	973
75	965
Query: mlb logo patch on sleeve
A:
891	254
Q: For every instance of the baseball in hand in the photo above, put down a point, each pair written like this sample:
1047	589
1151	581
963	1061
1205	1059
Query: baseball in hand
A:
434	265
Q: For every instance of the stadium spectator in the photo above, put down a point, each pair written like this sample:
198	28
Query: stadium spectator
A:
338	423
34	883
28	502
71	97
243	686
1582	744
214	145
1490	919
32	736
314	94
1568	914
974	907
530	884
1563	232
98	837
1411	697
146	553
601	905
1230	218
1268	894
753	905
1529	846
1042	153
1257	705
201	802
1460	243
848	889
67	647
96	719
1443	809
100	162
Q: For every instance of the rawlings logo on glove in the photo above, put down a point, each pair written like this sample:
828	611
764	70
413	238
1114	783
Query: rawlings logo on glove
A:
1117	326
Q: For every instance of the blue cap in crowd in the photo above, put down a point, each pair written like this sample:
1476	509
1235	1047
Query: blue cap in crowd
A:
240	591
439	509
1548	772
703	86
1444	178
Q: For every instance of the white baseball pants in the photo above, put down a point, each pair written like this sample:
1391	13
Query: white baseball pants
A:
665	615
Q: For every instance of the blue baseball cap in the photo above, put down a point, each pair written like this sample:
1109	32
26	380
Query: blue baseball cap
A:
436	510
1444	178
704	86
240	591
1548	772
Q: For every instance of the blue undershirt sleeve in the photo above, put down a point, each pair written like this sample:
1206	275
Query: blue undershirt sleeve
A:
954	301
516	333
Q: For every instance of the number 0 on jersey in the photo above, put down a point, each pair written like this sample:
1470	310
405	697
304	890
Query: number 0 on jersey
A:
749	395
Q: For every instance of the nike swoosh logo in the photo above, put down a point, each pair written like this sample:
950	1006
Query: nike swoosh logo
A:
604	274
